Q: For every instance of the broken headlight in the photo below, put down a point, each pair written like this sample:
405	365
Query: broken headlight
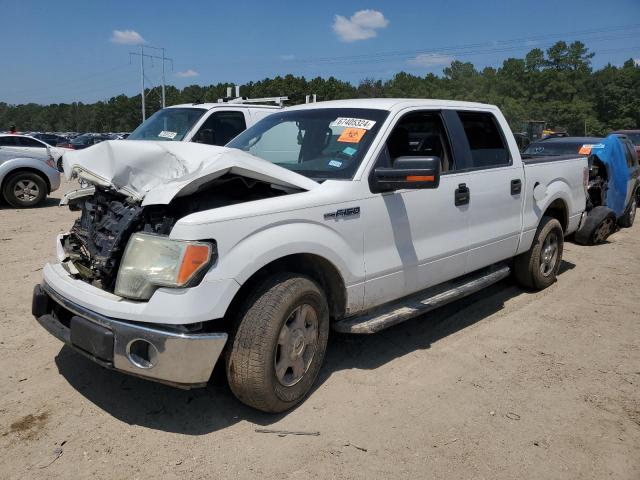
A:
152	261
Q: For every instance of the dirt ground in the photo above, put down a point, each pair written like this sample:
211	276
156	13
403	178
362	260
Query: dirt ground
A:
504	384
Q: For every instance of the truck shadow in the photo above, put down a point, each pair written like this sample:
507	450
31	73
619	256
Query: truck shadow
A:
201	411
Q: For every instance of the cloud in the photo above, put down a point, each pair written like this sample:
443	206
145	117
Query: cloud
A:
531	43
427	60
362	25
127	37
187	74
287	58
637	61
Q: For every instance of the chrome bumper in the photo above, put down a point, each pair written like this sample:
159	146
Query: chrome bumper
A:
165	355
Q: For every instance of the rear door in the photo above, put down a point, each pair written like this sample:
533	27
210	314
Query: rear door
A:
494	182
30	147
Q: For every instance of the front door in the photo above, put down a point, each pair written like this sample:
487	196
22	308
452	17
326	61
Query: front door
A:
416	238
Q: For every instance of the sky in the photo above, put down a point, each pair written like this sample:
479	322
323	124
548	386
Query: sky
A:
68	51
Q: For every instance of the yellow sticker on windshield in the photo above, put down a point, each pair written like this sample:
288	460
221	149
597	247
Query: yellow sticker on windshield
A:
352	135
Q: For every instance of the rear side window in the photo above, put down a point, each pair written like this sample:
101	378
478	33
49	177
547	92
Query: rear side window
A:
629	154
30	142
220	128
487	146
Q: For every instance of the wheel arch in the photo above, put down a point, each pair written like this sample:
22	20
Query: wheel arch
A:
559	210
314	266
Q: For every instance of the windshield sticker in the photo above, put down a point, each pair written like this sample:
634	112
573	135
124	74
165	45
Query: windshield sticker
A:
335	163
349	151
353	122
587	148
167	134
352	135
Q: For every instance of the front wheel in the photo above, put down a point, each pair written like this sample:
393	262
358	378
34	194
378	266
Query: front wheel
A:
538	268
279	343
24	190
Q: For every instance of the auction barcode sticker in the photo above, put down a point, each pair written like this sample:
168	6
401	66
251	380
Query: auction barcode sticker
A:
167	134
353	122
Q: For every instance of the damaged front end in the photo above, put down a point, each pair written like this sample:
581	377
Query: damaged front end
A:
96	242
138	188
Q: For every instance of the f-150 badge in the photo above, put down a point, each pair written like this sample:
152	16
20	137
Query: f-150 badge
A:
343	212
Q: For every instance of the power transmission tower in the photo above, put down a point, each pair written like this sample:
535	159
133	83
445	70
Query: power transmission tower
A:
163	59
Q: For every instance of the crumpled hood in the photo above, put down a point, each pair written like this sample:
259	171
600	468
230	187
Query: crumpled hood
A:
156	172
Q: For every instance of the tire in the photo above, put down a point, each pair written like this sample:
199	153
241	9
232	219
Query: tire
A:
24	190
600	223
537	268
626	221
278	343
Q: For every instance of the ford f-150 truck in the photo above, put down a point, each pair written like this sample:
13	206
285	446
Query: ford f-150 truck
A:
353	215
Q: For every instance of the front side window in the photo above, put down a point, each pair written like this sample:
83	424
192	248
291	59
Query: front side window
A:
418	134
169	124
485	140
9	141
220	127
318	143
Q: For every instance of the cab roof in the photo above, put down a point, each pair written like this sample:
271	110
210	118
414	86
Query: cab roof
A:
394	104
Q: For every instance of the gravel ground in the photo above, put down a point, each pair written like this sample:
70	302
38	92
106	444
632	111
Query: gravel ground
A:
503	384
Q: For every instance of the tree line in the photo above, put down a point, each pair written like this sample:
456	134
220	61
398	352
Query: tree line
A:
558	86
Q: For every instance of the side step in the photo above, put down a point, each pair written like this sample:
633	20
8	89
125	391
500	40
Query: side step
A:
422	302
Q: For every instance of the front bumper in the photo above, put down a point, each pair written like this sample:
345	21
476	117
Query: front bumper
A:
162	354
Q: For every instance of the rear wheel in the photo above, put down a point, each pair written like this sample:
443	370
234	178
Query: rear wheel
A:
279	343
24	189
538	268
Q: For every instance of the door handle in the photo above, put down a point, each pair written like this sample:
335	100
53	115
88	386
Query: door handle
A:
516	186
462	195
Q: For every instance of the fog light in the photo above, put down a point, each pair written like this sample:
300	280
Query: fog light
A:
142	354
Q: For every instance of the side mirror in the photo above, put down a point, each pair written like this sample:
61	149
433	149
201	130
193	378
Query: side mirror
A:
407	172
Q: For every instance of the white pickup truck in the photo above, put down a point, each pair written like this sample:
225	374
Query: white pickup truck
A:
208	123
353	215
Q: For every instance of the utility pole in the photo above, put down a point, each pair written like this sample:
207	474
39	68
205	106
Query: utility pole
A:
163	59
144	114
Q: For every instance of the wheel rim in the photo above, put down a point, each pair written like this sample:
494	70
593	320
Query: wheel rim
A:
26	190
549	254
603	230
297	345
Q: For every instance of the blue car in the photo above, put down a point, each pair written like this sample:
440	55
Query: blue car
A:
613	190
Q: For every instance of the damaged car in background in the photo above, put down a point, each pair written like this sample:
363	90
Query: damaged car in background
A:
354	215
614	188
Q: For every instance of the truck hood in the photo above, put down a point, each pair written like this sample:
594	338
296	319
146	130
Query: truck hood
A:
156	172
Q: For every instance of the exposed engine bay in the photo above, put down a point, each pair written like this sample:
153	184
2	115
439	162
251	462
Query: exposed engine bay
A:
96	242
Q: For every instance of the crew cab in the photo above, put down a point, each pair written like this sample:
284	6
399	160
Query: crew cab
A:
353	215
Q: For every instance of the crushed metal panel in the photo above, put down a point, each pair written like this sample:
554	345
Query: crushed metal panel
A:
159	171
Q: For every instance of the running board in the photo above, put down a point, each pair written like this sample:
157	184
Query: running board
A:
422	302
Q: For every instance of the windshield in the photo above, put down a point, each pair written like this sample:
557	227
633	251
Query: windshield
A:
170	124
318	143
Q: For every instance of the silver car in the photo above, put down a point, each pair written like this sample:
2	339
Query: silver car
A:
26	176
